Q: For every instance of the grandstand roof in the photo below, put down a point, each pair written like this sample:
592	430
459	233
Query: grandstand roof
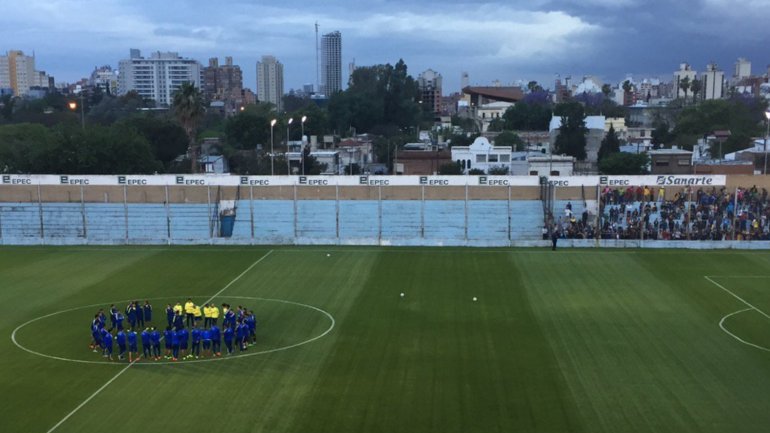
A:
505	94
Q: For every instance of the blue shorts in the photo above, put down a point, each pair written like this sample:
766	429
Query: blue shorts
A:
133	348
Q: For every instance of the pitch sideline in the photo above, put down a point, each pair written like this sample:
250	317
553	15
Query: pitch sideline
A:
123	370
751	307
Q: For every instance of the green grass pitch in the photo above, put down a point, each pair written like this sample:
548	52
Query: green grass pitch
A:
565	341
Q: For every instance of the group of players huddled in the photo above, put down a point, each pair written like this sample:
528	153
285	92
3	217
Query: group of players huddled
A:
239	329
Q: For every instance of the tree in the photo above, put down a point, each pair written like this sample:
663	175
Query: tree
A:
624	163
610	144
450	168
684	84
572	132
500	170
495	125
251	127
166	138
695	87
189	110
606	90
508	138
661	135
524	116
26	148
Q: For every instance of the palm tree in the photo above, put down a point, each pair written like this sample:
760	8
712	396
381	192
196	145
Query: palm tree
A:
684	84
695	87
189	109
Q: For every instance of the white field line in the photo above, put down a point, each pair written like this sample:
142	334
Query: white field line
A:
123	370
751	307
726	290
721	325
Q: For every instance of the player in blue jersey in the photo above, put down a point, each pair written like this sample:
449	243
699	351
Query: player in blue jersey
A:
216	340
206	339
169	314
175	343
251	322
242	335
155	340
228	337
133	349
103	334
147	312
120	338
96	333
178	320
184	339
139	314
196	342
113	316
168	335
107	339
131	314
146	344
119	321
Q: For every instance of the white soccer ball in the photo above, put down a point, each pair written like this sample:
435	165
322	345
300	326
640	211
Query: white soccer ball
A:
475	299
402	294
328	255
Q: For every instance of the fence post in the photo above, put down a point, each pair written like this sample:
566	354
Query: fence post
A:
168	218
466	211
83	214
379	215
210	217
510	237
125	212
422	212
337	210
251	211
40	210
296	214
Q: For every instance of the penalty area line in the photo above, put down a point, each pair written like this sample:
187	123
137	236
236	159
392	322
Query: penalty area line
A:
726	290
74	411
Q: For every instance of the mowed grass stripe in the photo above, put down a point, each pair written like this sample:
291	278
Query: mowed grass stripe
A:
435	360
258	393
122	277
638	352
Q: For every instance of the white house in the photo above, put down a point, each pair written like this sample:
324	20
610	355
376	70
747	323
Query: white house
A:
482	155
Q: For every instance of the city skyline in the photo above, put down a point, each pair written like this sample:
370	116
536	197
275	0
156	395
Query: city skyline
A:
490	40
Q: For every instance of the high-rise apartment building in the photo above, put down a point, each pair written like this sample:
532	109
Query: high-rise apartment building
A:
104	78
685	71
331	63
17	72
742	69
222	83
158	76
713	82
270	81
429	83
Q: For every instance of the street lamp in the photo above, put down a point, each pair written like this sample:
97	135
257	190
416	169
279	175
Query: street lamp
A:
73	105
288	161
302	148
272	154
767	115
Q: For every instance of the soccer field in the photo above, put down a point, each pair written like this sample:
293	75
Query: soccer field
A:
565	341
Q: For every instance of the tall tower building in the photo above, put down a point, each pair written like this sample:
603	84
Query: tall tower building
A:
331	63
158	76
685	71
713	82
222	82
742	69
270	81
429	83
17	72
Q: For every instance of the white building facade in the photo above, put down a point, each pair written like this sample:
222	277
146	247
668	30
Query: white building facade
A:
713	82
685	71
270	81
331	63
483	156
158	76
17	72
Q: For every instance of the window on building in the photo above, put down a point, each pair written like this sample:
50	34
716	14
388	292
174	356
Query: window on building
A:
505	158
493	157
661	163
533	172
481	158
683	162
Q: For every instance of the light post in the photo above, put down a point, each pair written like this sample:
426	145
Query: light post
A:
73	105
302	148
767	115
272	154
288	160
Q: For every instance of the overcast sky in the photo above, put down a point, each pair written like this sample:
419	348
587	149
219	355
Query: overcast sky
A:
491	40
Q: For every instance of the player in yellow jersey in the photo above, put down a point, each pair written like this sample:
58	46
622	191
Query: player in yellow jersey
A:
189	310
214	310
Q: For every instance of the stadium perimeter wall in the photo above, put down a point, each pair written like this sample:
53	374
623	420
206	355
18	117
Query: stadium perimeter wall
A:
482	211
